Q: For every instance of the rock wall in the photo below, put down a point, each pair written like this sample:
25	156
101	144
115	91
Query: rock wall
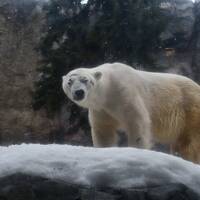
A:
21	26
181	23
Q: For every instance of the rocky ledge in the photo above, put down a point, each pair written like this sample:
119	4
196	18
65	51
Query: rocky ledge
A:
26	187
58	172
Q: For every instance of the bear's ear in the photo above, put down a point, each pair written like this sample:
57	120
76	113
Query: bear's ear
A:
97	75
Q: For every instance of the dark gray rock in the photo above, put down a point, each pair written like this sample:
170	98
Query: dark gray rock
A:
25	187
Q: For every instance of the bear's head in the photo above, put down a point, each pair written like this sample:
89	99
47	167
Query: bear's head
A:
79	85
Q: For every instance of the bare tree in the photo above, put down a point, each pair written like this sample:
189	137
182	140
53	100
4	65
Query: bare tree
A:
194	43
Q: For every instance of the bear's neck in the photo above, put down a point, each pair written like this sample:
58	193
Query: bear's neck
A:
98	98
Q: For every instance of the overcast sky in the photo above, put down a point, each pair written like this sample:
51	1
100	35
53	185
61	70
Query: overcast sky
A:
84	1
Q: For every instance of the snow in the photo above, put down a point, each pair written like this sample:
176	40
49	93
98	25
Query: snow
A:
113	167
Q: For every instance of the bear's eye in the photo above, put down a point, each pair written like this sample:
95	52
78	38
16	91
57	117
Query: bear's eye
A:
84	80
70	82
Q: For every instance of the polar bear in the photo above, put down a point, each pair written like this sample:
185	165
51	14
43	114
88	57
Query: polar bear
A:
150	107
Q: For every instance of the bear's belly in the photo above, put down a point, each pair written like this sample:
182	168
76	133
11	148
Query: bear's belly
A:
164	137
168	128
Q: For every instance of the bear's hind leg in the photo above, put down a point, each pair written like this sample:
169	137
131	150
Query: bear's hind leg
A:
103	128
189	148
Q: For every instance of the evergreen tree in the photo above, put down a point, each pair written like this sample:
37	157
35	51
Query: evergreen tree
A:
87	35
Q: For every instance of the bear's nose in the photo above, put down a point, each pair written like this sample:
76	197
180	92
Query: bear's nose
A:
79	94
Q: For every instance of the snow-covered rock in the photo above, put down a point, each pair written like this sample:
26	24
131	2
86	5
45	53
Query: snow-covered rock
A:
108	167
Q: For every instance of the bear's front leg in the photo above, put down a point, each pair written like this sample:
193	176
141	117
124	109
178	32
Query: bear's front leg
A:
139	135
103	128
138	126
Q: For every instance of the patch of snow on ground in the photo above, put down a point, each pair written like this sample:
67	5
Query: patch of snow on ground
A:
115	167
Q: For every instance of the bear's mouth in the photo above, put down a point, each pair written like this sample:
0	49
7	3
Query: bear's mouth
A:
78	98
